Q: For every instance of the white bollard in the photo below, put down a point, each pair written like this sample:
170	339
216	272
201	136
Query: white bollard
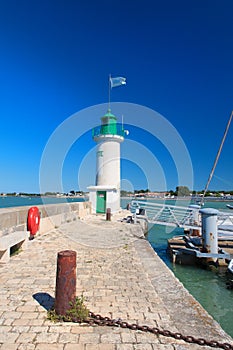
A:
209	230
195	214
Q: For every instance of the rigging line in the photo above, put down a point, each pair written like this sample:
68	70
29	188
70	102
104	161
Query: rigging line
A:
217	157
223	180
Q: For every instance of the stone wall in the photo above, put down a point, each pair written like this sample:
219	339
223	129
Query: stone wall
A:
52	215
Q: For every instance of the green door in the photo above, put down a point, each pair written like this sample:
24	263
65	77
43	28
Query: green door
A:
101	202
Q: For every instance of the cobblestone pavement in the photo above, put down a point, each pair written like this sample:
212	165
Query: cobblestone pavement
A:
120	277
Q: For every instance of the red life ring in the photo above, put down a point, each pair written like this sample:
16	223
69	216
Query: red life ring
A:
33	221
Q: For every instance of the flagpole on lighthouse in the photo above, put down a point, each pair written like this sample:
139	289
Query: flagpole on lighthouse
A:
113	82
109	92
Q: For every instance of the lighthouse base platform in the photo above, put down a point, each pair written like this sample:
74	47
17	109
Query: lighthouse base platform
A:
104	197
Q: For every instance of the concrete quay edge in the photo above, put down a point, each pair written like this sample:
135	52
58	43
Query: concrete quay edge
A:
182	307
119	274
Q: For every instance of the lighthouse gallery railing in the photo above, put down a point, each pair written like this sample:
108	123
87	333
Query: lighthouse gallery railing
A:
117	130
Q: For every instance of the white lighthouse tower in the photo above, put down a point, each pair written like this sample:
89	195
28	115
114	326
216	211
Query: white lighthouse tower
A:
106	192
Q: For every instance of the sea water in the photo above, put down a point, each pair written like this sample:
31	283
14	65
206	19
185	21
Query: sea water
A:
18	201
209	288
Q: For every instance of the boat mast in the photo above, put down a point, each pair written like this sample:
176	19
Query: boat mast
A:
217	157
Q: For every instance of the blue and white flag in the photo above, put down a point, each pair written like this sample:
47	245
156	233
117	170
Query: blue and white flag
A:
117	81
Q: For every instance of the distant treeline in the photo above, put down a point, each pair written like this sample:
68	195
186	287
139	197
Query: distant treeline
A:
21	194
71	193
181	191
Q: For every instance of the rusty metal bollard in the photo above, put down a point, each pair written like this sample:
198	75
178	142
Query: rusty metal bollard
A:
65	281
108	214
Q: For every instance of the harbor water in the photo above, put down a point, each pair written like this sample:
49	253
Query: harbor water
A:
208	287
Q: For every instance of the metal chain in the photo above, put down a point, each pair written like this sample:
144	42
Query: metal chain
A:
107	321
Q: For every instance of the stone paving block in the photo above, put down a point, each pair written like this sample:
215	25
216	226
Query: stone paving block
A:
100	347
90	338
4	307
8	337
12	305
35	322
45	346
15	281
27	307
46	338
101	292
20	329
68	338
60	328
4	299
42	281
125	347
26	337
143	347
146	338
8	347
29	315
42	314
152	316
72	347
82	329
8	321
111	338
128	337
26	347
164	316
12	314
5	329
88	294
172	347
39	329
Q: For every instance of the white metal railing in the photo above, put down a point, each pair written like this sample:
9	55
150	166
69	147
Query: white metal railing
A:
225	219
165	214
225	226
178	216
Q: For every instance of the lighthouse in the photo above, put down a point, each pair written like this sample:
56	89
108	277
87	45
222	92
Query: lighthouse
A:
106	192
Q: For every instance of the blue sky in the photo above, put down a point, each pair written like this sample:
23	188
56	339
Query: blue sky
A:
55	59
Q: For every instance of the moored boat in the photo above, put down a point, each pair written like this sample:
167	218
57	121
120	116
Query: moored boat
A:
230	275
230	267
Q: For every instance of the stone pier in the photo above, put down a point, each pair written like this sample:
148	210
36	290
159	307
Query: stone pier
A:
120	276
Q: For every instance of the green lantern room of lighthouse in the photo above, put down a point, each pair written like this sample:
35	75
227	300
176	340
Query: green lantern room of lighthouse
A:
108	126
